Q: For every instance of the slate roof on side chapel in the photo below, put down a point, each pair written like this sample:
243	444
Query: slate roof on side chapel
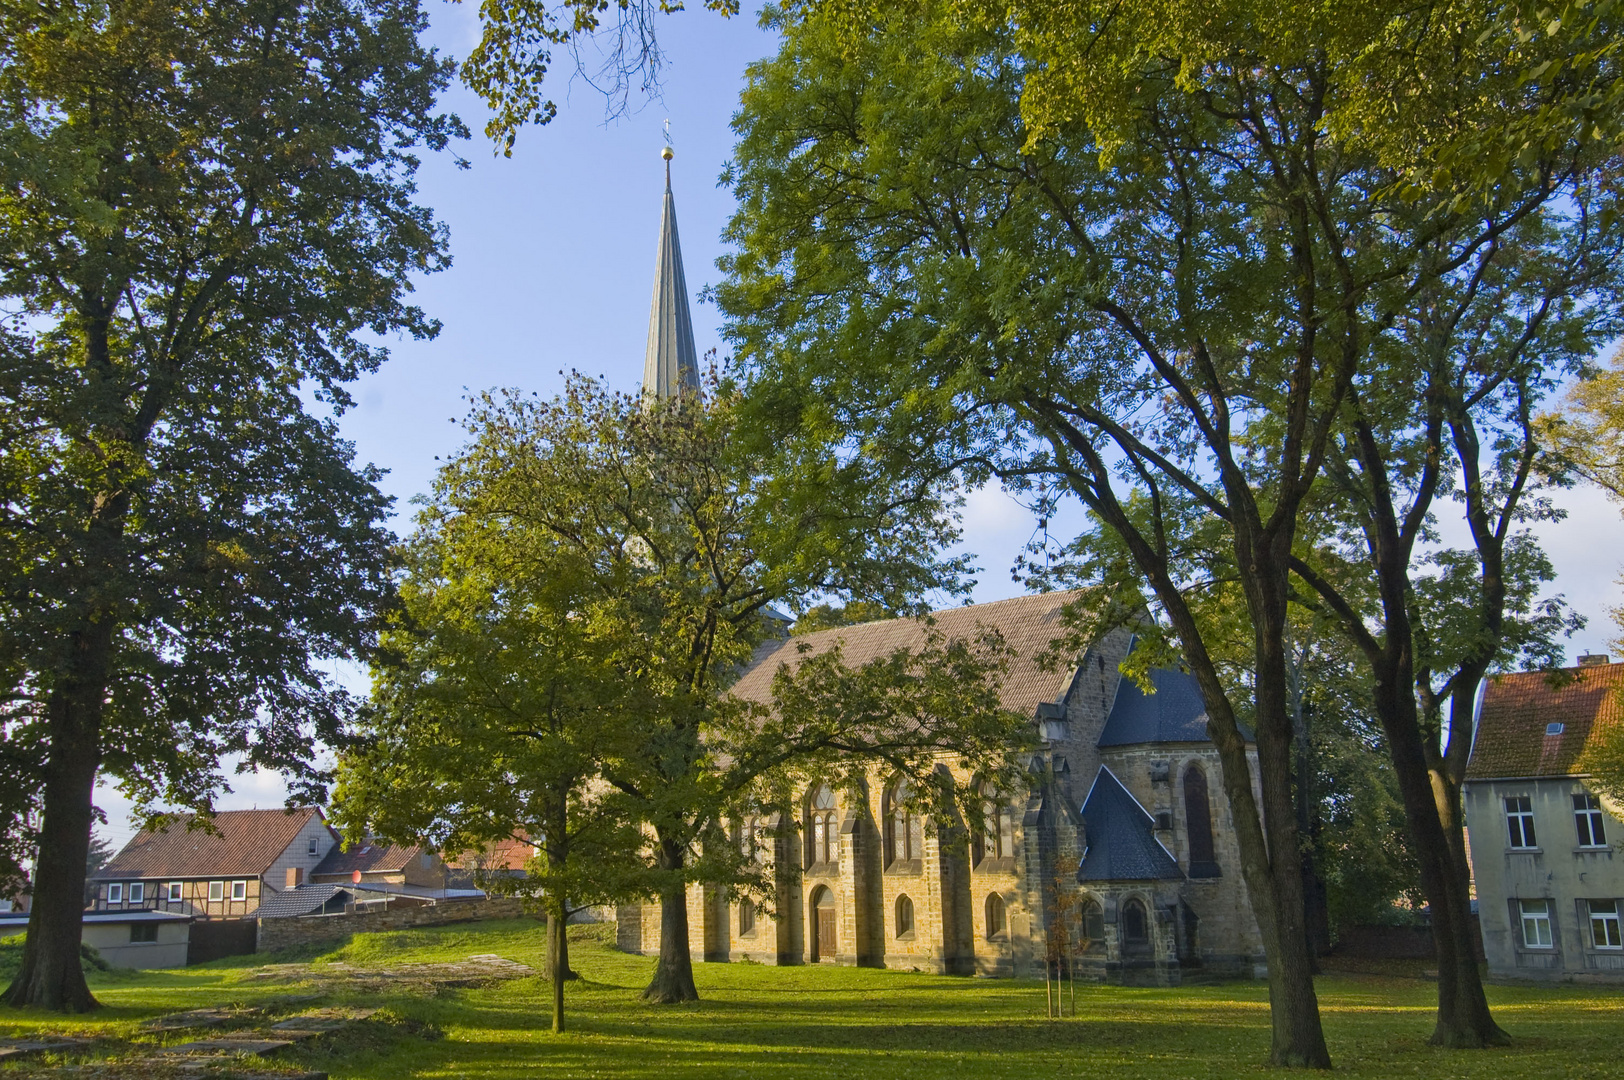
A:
1174	713
1518	710
1120	843
1029	625
244	843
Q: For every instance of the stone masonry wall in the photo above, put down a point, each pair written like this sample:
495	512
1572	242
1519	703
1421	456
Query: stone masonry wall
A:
308	929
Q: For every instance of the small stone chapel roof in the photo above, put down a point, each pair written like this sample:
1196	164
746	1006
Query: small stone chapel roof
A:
1121	845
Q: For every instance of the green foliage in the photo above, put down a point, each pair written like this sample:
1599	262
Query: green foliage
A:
515	52
205	211
588	578
829	616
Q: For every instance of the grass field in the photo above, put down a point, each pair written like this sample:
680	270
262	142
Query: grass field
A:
767	1023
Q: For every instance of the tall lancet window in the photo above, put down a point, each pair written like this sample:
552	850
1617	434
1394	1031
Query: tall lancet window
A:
822	834
1198	824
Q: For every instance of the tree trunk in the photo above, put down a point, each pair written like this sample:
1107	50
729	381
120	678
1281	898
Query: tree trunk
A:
674	974
558	960
558	947
51	976
1266	834
1464	1019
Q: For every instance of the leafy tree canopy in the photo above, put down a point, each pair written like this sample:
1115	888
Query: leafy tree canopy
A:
207	216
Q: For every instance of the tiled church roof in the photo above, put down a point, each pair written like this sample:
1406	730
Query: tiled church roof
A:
1174	713
1519	710
1029	624
244	843
1120	843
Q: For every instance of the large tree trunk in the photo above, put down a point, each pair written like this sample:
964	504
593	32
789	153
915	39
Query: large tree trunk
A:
1299	1040
1464	1019
674	974
51	976
1266	834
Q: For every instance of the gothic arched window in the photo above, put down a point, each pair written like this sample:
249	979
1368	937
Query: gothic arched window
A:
1093	928
822	834
995	915
1198	824
997	833
904	831
905	916
1135	928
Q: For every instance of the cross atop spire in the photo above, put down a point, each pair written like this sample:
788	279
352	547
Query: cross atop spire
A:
671	365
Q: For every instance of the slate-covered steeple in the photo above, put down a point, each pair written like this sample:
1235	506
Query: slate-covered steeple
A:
671	367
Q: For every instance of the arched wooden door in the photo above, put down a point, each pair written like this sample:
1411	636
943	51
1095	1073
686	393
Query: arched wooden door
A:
823	925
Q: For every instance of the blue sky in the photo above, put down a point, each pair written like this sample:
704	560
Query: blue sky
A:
553	266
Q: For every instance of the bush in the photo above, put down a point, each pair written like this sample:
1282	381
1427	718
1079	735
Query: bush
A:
11	958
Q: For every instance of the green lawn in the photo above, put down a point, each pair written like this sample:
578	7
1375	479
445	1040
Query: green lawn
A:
775	1024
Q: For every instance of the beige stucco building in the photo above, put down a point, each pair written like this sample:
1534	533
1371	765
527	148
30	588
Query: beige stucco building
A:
1544	845
1119	832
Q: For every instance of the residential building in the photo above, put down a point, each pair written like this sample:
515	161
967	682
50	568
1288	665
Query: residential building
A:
125	939
1544	843
219	871
404	869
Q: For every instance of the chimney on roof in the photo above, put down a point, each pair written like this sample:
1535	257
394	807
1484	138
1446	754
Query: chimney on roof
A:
295	876
1593	659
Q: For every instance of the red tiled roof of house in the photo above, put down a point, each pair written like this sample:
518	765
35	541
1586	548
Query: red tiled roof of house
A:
369	858
243	843
1518	710
1029	625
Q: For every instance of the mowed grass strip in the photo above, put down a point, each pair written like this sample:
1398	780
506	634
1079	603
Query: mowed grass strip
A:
768	1023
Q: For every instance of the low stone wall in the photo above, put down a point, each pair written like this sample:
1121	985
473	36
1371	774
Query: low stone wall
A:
309	929
1394	942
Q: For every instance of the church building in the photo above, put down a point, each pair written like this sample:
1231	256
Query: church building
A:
1120	833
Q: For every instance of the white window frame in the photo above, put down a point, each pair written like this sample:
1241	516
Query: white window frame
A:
176	892
1534	915
239	890
1605	929
138	892
115	893
1520	832
1588	820
313	846
217	891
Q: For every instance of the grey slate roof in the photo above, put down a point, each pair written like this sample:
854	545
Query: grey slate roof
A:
1174	713
671	366
304	900
1117	830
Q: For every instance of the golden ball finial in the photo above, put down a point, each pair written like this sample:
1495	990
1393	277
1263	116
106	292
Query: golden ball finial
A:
668	153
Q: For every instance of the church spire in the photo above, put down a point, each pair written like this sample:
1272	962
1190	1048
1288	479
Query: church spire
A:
670	368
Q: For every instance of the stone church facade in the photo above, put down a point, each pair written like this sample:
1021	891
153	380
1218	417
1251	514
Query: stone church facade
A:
1120	831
